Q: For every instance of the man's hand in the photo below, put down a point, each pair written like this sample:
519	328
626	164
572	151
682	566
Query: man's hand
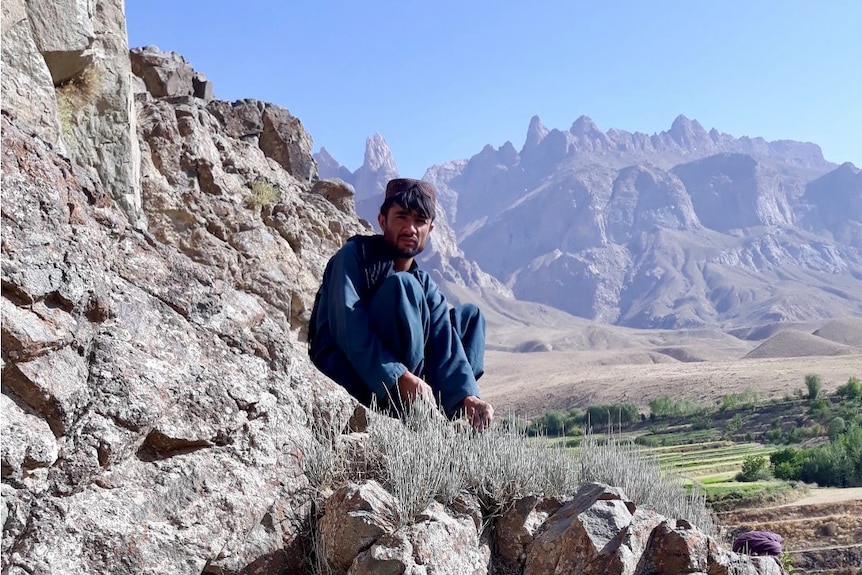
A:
412	388
480	414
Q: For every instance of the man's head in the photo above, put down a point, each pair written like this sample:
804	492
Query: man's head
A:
407	215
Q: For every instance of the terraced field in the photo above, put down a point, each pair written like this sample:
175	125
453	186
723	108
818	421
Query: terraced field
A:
821	537
713	465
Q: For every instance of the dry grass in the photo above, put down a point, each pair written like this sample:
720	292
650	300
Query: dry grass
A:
427	458
262	194
73	96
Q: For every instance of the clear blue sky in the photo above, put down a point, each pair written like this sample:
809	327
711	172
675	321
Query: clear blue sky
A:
440	79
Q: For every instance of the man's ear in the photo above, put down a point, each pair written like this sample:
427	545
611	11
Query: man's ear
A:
380	219
431	227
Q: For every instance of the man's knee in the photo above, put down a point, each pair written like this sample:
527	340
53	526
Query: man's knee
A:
467	316
401	281
400	289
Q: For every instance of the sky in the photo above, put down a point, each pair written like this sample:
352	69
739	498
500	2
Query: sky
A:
441	79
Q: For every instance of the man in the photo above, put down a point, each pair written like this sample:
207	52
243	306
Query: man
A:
382	329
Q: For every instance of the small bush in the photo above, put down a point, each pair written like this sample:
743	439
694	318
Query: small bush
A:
837	426
733	425
754	468
820	408
701	422
814	385
774	435
852	390
262	194
787	463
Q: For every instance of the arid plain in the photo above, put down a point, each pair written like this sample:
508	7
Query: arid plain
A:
539	359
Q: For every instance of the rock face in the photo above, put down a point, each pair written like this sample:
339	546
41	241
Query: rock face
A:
67	74
155	384
152	399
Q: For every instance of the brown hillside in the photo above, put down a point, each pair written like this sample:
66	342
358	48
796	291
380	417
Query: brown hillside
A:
847	331
795	343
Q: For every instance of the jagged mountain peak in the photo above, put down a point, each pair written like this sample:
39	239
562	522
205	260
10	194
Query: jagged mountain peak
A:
377	154
536	132
584	126
688	133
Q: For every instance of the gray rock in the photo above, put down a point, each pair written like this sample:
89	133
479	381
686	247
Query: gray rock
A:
64	34
165	74
26	85
354	517
28	443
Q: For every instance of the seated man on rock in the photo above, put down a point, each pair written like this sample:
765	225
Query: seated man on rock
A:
382	329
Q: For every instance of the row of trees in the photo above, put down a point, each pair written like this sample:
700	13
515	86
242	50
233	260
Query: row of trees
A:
829	416
837	463
572	422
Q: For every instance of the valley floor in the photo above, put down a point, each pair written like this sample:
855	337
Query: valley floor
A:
529	384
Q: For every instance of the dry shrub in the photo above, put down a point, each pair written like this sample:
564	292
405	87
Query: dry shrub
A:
425	457
73	96
262	194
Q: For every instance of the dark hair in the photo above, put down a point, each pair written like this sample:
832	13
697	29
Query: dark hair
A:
410	199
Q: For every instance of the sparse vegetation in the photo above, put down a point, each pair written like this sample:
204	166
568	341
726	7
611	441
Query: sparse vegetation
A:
737	470
747	399
428	458
72	97
851	391
263	193
665	406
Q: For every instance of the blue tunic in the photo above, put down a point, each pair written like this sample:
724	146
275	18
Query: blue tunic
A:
370	324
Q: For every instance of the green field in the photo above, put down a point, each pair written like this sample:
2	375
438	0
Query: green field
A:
712	466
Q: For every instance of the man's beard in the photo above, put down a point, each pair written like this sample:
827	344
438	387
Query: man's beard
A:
407	254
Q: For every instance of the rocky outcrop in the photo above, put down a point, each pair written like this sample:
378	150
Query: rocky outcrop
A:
598	531
833	205
27	87
154	398
155	384
67	74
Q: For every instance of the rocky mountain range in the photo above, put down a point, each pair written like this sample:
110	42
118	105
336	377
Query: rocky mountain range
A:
684	228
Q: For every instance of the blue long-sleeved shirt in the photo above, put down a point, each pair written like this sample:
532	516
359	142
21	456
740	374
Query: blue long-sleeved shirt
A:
341	321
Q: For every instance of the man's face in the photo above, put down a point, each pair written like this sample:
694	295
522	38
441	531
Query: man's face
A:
405	230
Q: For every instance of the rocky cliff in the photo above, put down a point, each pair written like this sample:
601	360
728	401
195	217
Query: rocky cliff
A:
157	405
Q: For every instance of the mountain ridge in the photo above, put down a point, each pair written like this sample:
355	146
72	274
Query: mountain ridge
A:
683	228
